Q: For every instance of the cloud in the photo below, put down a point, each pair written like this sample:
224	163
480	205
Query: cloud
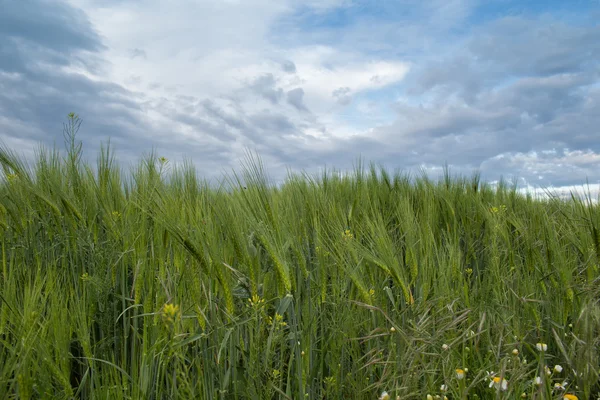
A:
513	87
288	66
295	98
137	53
51	25
342	95
40	45
266	87
410	84
554	167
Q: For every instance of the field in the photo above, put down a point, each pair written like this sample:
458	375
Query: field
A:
151	284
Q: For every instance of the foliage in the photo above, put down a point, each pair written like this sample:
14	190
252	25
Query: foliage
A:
154	285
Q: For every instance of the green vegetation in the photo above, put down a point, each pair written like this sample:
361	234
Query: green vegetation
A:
159	286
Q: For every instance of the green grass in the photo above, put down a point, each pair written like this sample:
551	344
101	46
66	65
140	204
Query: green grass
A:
154	285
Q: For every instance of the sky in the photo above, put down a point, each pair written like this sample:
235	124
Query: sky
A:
507	88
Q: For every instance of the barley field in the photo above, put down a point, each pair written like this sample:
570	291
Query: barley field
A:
152	284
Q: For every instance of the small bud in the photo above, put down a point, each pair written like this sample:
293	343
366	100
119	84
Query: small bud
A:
541	346
558	369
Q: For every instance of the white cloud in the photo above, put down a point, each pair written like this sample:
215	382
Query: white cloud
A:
208	79
188	52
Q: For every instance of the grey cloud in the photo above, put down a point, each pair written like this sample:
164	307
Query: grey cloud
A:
342	95
519	85
273	122
540	47
134	53
510	47
52	25
234	121
288	66
37	38
295	97
265	86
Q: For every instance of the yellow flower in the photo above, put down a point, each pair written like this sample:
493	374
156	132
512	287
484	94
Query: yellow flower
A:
460	374
256	301
279	320
11	177
570	397
347	235
170	312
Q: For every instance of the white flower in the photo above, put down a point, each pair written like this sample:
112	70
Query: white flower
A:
384	396
460	374
537	381
443	388
429	397
558	369
445	346
499	383
560	386
541	346
515	352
